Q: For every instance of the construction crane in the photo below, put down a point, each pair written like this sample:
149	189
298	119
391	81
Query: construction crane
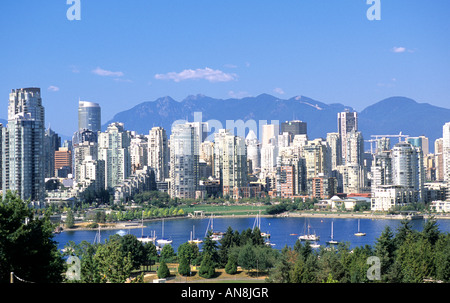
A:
399	136
377	137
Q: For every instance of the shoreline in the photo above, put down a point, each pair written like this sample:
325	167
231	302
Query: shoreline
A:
136	225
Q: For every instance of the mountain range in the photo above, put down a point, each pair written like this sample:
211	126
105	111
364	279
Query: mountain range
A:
386	117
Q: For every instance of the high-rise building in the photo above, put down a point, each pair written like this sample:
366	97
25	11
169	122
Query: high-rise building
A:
439	158
23	145
138	152
295	127
446	151
231	158
52	142
334	143
347	121
89	116
291	176
355	148
315	154
63	159
407	167
253	151
113	148
184	163
158	153
80	152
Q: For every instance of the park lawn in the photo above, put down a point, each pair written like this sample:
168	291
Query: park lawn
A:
226	210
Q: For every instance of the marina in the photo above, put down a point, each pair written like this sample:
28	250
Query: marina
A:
283	230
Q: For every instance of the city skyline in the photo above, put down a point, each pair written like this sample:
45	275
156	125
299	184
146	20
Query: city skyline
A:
120	54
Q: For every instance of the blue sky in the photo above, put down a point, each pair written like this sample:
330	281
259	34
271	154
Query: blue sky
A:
122	53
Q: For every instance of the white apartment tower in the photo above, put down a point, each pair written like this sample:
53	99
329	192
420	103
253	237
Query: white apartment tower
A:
158	153
113	148
184	161
230	153
347	121
23	145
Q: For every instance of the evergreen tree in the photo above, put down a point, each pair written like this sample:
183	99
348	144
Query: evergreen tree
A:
442	258
210	248
184	268
163	270
207	269
431	231
385	249
231	267
70	220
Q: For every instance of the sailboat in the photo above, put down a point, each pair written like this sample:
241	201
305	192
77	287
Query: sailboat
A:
332	241
308	236
216	236
359	233
315	245
163	241
194	241
257	223
145	239
98	237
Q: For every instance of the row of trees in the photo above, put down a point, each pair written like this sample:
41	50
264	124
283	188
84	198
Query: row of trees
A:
408	256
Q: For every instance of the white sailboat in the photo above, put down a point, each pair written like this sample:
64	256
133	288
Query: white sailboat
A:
163	241
359	233
332	241
257	223
308	236
216	236
98	237
315	245
194	241
146	239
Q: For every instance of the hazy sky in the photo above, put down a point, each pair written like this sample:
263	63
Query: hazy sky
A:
122	53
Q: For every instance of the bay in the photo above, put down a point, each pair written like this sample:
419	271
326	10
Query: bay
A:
283	231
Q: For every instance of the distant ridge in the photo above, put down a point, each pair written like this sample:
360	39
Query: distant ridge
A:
386	117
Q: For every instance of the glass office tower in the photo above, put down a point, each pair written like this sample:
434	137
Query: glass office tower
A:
89	116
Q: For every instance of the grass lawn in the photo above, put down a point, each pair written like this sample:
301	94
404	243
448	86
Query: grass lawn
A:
229	210
242	276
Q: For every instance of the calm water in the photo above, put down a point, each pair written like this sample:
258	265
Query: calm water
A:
280	229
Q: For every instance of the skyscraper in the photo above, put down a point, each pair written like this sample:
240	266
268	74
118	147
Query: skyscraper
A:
113	148
183	161
158	153
347	121
446	151
23	145
295	127
407	167
230	154
89	116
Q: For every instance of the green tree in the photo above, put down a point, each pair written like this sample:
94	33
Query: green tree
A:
210	248
231	267
189	251
27	247
130	244
70	220
415	257
114	265
385	250
163	270
207	268
168	253
184	268
442	258
431	231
